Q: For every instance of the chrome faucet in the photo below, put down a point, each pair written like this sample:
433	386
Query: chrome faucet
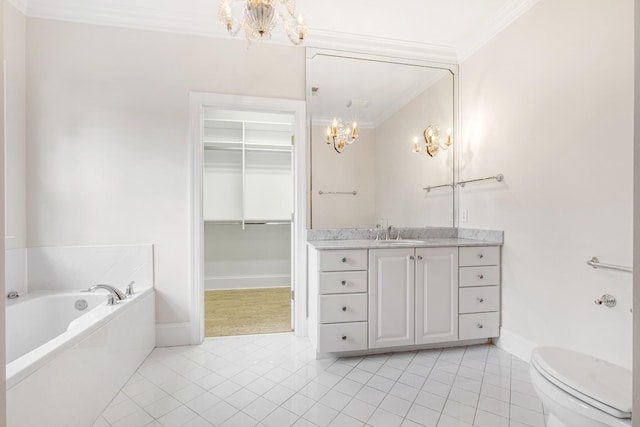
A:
388	236
115	294
13	295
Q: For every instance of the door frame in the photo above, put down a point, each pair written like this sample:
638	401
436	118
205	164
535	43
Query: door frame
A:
197	100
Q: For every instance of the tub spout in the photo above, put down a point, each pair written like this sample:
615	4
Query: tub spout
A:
115	294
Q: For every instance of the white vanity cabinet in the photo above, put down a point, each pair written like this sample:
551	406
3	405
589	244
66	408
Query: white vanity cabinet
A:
479	293
374	298
413	296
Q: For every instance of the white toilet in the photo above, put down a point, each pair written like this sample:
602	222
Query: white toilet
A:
579	390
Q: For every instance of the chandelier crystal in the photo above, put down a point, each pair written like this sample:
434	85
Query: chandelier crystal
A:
259	18
340	136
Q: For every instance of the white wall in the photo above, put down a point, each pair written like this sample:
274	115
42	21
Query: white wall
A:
549	103
401	174
15	148
3	393
353	169
257	257
108	129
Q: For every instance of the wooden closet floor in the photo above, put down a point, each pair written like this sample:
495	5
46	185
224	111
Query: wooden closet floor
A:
247	311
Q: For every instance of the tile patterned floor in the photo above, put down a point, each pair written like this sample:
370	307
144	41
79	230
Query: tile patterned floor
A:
275	381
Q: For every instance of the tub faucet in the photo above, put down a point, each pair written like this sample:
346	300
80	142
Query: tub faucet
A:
13	295
115	294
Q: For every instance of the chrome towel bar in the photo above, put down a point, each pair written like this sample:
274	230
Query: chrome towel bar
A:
353	193
595	263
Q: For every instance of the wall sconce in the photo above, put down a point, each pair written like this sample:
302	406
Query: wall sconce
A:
432	141
341	137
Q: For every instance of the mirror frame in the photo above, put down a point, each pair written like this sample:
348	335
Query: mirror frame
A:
451	68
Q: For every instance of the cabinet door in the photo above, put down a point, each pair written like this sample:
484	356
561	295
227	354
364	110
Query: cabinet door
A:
391	297
436	295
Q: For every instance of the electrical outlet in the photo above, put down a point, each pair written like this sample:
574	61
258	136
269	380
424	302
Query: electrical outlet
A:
464	215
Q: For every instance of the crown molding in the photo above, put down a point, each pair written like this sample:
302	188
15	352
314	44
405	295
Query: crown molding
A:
347	42
132	16
512	11
21	5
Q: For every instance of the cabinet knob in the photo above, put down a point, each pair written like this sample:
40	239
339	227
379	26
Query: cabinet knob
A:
480	326
419	257
480	276
480	299
412	258
480	255
344	283
344	260
344	308
344	338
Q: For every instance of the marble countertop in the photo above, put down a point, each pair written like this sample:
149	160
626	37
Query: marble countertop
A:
380	244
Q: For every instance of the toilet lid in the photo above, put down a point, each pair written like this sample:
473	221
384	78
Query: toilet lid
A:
599	383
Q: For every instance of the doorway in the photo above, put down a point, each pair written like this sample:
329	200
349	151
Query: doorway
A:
247	209
248	190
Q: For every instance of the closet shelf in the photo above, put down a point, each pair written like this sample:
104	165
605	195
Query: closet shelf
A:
248	222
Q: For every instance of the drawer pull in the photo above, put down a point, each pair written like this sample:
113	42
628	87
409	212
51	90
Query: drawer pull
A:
412	258
344	308
344	260
419	257
344	283
344	338
480	255
480	276
480	326
480	299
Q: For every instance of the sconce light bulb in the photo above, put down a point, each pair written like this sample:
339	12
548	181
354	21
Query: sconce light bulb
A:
449	132
415	140
300	20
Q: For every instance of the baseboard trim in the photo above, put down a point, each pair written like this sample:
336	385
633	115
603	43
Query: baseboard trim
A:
173	334
515	344
246	282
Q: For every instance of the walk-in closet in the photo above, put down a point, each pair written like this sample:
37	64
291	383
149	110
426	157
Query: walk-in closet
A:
247	208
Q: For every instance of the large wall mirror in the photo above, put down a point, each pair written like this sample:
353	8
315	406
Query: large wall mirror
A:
381	176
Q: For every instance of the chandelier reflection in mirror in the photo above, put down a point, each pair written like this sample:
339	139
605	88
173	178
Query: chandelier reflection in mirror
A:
259	18
340	136
432	144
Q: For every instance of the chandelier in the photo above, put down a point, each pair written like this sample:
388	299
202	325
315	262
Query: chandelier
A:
340	136
432	143
259	17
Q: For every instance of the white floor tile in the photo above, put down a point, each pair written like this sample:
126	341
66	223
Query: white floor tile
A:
395	405
178	417
359	410
280	418
275	380
382	418
343	420
320	415
487	419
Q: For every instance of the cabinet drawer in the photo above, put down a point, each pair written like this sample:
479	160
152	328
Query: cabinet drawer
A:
480	299
339	282
342	260
480	276
342	337
478	325
479	255
343	308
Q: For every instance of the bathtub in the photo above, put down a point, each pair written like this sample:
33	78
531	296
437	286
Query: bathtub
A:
68	354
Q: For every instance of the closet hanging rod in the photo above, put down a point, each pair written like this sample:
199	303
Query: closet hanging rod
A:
352	193
274	150
595	263
252	222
